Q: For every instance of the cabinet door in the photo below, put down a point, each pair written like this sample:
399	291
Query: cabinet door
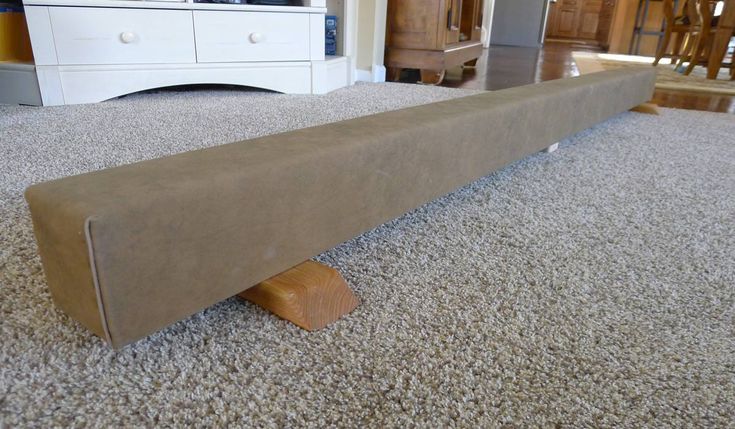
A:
415	24
471	28
566	18
454	17
605	23
589	19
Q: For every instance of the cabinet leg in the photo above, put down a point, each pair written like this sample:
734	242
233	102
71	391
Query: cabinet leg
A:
432	77
393	74
471	63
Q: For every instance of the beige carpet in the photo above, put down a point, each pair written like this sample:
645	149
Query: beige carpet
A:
591	62
591	287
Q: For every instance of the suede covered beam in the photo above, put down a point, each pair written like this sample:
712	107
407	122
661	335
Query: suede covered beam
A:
130	250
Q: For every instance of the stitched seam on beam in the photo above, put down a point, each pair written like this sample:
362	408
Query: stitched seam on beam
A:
95	278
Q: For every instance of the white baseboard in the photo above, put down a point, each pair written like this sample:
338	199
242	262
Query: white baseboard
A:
377	74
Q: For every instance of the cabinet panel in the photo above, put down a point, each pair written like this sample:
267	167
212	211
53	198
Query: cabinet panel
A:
230	36
566	23
85	36
415	24
454	17
575	18
589	18
588	22
471	28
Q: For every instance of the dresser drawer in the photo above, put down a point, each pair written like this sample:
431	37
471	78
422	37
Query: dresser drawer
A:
122	36
251	36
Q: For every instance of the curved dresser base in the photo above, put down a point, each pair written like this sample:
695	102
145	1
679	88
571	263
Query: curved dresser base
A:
90	84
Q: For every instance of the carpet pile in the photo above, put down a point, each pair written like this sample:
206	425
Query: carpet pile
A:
594	286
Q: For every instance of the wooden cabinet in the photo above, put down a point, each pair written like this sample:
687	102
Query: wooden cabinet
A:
577	19
605	23
432	36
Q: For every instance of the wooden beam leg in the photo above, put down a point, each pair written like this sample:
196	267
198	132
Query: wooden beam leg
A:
310	295
552	148
648	108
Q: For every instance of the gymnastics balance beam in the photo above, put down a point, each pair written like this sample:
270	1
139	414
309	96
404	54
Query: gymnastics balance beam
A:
132	249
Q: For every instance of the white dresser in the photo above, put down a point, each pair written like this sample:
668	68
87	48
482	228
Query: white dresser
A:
87	51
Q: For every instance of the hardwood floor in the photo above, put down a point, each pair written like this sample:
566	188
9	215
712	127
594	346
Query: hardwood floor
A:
504	66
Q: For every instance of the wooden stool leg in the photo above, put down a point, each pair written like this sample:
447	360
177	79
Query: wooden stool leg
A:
678	42
310	295
696	52
685	51
668	6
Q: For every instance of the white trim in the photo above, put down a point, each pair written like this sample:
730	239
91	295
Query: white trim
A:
381	18
363	75
350	37
328	75
38	19
136	4
487	22
377	74
316	37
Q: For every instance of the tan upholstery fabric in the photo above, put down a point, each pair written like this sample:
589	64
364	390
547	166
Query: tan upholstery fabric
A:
132	249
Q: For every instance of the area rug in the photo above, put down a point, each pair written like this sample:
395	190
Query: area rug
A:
667	78
590	287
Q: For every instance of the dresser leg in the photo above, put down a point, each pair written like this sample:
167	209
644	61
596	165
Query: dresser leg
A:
393	74
471	63
432	77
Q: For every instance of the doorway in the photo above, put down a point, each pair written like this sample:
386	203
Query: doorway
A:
580	21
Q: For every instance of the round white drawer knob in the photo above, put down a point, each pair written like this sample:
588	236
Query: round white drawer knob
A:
256	37
127	37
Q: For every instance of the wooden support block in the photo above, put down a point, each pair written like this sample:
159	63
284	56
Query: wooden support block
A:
552	148
310	295
647	108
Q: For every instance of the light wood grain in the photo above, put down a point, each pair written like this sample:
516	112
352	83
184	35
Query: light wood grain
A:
432	36
647	108
310	295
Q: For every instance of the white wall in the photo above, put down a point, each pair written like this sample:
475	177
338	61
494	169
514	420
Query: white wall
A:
487	22
371	20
